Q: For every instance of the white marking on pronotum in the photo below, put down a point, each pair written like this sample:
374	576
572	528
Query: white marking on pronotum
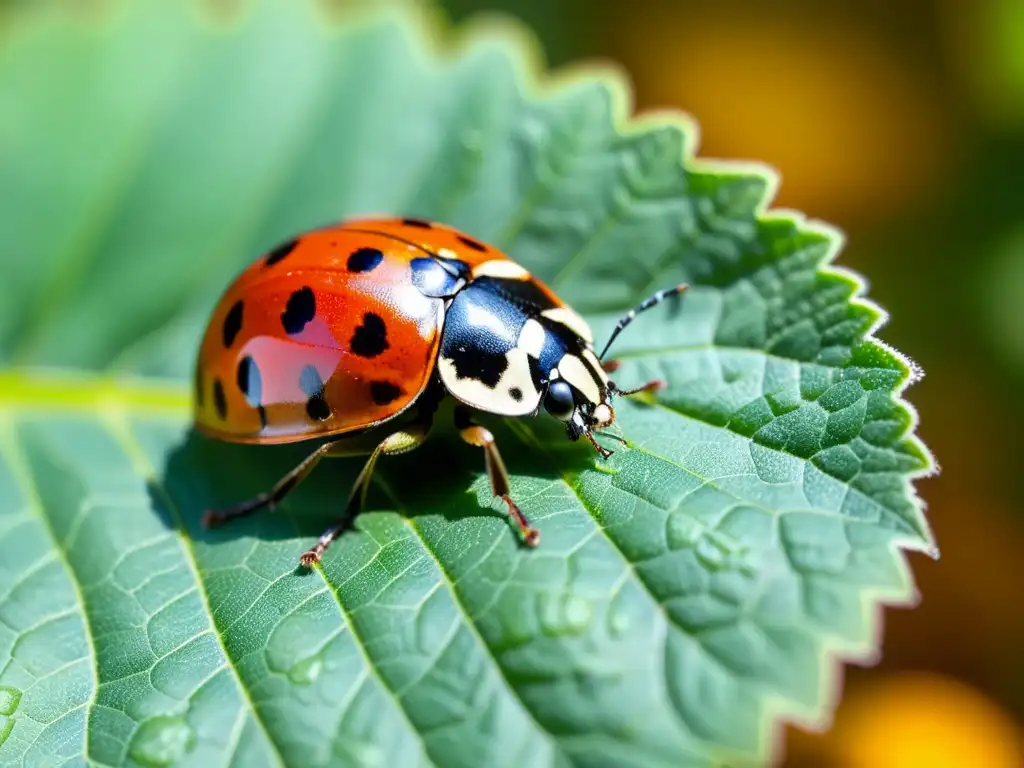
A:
599	371
475	393
481	318
575	372
571	320
531	338
501	268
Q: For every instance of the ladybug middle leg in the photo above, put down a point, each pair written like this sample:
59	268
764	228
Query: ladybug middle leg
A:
481	437
398	442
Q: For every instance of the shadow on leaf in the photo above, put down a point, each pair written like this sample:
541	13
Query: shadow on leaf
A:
445	477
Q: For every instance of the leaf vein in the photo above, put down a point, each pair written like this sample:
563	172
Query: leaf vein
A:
470	624
371	668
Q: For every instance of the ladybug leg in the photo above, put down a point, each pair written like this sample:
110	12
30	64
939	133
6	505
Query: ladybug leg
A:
270	499
399	442
481	437
611	366
651	386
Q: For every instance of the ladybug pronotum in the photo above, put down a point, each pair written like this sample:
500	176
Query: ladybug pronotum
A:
343	329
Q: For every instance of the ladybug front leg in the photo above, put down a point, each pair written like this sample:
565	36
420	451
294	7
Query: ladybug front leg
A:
481	437
398	442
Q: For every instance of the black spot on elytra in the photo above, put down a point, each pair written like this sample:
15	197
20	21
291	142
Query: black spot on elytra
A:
421	223
364	260
313	387
301	309
219	401
516	394
384	392
471	243
249	380
233	323
370	338
280	252
263	416
317	408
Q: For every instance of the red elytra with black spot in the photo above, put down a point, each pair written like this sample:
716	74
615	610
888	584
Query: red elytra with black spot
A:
344	329
336	310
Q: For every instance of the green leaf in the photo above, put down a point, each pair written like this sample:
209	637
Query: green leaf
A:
687	595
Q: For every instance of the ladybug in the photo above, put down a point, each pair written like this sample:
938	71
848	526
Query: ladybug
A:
369	324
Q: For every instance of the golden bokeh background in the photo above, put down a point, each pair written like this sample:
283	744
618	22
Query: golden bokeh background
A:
902	123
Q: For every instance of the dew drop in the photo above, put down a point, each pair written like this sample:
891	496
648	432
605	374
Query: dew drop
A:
618	624
306	671
711	553
564	614
161	741
577	613
682	531
362	753
9	699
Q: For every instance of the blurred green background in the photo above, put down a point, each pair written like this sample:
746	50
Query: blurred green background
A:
903	124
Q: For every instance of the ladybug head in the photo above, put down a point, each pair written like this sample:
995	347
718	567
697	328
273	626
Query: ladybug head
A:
581	414
586	406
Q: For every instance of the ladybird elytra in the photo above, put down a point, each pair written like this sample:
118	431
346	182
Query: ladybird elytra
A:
344	329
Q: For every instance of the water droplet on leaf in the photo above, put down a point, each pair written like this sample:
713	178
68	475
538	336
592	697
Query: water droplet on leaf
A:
577	613
618	624
161	741
564	614
682	531
362	753
711	553
9	699
306	671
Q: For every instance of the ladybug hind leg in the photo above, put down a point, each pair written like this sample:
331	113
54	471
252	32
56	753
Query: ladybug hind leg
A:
270	499
481	437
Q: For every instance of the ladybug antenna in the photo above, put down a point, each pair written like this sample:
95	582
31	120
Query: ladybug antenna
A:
630	316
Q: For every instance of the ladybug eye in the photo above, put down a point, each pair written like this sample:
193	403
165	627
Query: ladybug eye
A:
559	401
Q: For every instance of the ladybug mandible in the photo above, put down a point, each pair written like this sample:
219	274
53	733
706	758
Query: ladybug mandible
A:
347	328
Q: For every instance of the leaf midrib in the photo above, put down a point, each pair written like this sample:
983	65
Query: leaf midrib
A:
11	453
117	425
